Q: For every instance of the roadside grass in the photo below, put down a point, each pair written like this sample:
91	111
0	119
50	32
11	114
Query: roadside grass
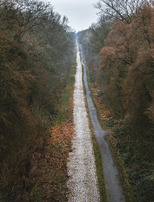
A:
123	170
97	154
65	108
100	171
52	175
135	175
103	115
110	123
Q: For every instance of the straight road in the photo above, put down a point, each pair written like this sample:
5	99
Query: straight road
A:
81	166
110	170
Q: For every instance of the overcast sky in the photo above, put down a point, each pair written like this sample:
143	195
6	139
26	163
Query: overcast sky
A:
80	13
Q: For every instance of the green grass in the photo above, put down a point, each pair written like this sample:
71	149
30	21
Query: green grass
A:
123	174
99	170
66	101
98	156
98	163
109	125
52	182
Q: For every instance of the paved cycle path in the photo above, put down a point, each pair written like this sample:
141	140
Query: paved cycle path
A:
110	170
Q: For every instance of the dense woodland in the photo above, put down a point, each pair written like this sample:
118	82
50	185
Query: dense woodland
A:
119	51
36	50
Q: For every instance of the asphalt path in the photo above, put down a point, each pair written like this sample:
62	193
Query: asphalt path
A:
110	170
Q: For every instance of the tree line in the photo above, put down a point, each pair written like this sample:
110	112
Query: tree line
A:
119	53
36	50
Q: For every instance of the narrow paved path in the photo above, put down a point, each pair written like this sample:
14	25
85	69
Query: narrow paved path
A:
110	169
81	166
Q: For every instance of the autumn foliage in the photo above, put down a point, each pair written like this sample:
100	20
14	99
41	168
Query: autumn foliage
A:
126	67
126	87
36	50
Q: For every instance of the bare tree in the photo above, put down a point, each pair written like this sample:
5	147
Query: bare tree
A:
99	32
120	9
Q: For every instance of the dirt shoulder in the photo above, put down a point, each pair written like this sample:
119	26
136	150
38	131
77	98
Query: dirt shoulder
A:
50	171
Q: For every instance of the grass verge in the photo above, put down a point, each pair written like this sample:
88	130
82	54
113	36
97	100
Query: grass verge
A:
65	108
109	123
99	170
98	156
51	170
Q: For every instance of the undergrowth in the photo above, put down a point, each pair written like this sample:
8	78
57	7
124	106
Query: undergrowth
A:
131	155
52	175
64	111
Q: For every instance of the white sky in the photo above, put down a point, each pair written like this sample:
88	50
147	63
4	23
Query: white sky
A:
80	13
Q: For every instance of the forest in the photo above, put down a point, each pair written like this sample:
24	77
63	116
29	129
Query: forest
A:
119	52
36	52
37	49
